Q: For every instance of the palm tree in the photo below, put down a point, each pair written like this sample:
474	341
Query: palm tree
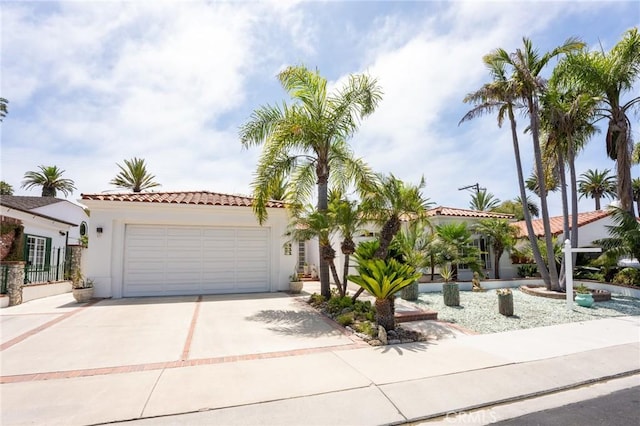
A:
390	202
307	140
134	176
382	279
483	201
50	179
595	184
3	108
635	186
309	223
505	94
527	64
348	219
413	242
456	248
502	236
608	75
550	179
531	206
624	235
567	118
5	188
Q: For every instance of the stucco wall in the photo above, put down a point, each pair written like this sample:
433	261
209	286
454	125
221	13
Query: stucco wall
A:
69	212
41	227
105	255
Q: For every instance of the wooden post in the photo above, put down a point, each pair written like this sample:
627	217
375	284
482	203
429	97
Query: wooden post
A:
451	294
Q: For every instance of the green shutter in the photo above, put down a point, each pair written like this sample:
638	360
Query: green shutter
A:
47	254
25	248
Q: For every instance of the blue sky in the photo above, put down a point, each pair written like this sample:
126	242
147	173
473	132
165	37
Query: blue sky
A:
93	83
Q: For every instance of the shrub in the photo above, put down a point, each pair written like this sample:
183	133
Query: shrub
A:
345	319
362	307
628	276
595	276
525	271
336	305
365	328
316	300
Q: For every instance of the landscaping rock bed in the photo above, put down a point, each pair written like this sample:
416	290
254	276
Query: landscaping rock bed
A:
478	312
541	291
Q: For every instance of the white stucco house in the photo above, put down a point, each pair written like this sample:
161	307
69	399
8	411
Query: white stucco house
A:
437	216
50	225
591	226
183	243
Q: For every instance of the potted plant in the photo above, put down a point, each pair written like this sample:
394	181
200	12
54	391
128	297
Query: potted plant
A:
295	283
450	290
305	269
583	297
505	301
82	288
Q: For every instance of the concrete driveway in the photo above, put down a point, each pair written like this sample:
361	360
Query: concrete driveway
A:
56	335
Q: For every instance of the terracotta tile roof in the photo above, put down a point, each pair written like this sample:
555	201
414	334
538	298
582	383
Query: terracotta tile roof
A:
449	211
27	204
189	197
556	223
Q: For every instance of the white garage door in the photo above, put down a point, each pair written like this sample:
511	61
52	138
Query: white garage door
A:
177	260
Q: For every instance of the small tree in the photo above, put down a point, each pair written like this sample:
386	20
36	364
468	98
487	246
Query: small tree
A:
624	235
382	279
5	188
502	236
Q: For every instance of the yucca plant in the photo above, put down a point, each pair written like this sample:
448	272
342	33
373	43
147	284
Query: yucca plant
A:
382	279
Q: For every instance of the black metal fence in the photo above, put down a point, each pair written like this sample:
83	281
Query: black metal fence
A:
54	269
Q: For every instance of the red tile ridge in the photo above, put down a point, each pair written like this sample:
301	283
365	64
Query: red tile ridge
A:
181	197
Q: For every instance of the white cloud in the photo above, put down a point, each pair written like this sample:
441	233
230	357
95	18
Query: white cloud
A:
93	83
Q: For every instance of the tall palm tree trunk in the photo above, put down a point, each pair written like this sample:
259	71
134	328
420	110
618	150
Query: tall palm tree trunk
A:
623	160
537	256
574	200
497	251
323	203
544	208
565	211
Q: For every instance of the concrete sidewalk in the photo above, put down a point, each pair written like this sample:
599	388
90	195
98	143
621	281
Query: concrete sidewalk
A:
340	385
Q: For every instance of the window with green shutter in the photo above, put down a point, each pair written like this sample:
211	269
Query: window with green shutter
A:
37	251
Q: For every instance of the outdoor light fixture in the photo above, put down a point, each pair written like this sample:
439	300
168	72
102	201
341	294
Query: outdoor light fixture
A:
99	230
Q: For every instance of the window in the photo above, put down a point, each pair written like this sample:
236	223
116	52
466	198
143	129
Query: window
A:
484	255
301	255
37	251
287	249
83	229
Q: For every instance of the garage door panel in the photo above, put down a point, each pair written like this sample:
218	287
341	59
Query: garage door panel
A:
173	260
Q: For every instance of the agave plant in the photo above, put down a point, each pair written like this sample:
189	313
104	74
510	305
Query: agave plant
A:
382	279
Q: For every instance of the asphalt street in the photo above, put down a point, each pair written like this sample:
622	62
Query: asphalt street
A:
620	408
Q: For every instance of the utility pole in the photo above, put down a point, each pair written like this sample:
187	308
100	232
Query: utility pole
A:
475	186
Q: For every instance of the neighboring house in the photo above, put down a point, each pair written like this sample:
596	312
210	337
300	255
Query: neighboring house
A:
591	226
437	216
183	243
50	224
441	215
